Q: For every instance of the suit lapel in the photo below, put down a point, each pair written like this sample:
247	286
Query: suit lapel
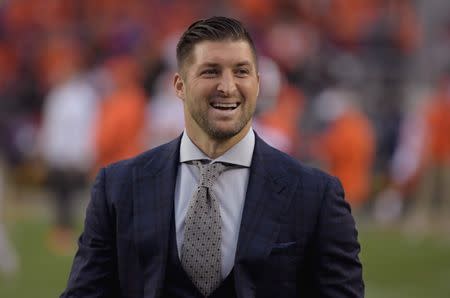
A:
154	187
268	195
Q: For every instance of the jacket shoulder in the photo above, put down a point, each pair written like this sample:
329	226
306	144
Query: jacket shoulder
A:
310	175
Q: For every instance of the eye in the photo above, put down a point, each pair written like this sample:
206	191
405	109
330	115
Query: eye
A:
242	72
209	72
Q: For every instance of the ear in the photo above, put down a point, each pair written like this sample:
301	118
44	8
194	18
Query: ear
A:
258	80
178	84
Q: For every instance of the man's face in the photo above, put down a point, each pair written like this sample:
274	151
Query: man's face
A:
219	86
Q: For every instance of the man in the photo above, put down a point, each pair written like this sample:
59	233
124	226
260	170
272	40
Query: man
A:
216	212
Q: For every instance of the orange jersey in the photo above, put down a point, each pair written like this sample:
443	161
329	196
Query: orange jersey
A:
285	116
438	132
120	126
348	147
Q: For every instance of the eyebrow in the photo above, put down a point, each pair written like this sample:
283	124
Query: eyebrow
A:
211	64
244	63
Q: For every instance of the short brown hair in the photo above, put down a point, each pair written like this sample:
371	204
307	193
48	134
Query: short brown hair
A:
212	29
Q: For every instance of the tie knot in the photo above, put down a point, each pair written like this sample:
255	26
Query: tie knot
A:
209	172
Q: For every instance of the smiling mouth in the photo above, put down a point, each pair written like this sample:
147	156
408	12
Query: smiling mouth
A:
225	106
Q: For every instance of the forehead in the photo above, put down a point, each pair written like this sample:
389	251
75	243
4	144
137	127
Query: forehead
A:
222	52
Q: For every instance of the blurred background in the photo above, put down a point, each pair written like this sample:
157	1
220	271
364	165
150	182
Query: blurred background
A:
359	88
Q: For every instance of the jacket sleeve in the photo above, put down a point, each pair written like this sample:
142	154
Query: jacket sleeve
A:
337	268
94	269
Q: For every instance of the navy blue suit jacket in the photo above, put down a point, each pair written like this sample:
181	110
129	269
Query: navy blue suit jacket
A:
297	236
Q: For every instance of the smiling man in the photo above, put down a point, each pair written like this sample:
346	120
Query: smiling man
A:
218	83
216	212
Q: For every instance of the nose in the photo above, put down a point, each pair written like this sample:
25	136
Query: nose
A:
227	84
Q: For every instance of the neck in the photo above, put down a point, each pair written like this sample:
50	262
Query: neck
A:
214	148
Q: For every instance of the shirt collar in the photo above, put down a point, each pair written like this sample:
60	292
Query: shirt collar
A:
240	154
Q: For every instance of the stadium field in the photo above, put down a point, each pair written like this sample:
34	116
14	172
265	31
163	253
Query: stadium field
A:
396	265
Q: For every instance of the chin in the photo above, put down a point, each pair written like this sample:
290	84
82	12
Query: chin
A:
221	133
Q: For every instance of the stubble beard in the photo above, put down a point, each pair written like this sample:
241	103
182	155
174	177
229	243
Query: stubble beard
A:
216	132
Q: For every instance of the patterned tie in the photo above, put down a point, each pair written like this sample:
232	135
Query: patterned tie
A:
200	253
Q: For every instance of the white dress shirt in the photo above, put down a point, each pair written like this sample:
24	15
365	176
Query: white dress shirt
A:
230	190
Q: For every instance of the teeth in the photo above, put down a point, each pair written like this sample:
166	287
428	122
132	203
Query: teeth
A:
225	105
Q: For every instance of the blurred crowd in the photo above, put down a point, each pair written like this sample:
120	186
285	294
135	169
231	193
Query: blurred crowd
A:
85	83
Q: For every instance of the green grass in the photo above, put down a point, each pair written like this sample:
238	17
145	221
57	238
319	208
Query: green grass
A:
395	265
42	274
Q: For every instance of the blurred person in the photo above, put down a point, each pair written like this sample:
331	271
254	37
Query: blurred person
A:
8	258
434	175
66	136
345	21
165	111
294	46
8	113
381	36
354	24
420	170
438	127
49	14
253	11
9	262
405	167
279	109
120	125
346	144
158	226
